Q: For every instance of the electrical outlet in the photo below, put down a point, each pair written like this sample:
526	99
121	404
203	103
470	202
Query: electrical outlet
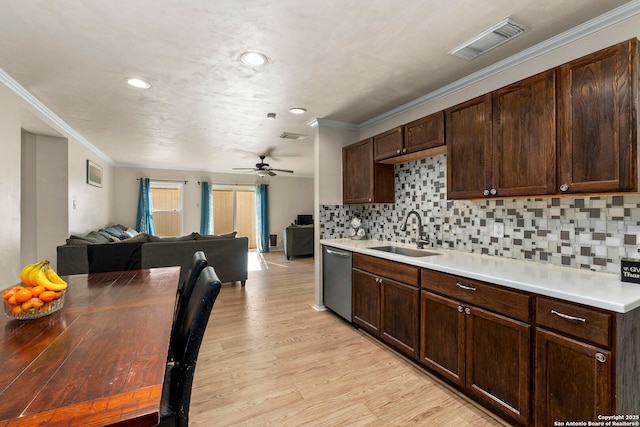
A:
498	230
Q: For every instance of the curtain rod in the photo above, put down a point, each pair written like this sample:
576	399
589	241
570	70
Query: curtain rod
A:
224	183
166	180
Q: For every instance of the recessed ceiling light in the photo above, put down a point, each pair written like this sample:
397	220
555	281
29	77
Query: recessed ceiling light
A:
297	110
253	58
271	116
139	83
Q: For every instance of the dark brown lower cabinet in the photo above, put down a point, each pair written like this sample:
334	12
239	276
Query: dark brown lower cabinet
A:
573	380
386	302
484	352
366	301
400	308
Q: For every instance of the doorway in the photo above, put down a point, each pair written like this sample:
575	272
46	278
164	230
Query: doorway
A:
234	209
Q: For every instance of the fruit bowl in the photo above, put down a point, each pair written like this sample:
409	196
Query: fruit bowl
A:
35	307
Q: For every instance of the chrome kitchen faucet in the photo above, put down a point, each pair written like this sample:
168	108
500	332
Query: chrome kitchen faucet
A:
420	240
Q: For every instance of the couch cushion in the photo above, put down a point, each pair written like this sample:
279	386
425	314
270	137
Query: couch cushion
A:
199	236
187	237
162	239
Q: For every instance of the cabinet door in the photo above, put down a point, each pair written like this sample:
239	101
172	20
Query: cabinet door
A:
366	301
573	380
400	308
524	137
597	121
364	181
357	171
442	340
388	144
498	362
469	154
427	132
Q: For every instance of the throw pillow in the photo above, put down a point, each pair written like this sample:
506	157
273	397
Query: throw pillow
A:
131	232
162	239
140	237
187	237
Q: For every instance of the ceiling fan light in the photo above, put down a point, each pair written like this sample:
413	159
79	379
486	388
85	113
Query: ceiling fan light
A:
297	110
271	116
263	173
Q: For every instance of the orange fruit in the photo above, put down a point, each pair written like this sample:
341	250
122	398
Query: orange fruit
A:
7	293
47	296
23	295
12	300
16	311
58	294
37	290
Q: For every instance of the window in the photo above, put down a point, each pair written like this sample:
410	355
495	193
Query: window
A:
235	209
166	204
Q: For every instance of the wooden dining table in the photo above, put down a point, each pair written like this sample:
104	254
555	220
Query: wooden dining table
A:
100	360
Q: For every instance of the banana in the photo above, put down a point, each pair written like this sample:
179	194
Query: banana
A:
26	270
53	276
44	281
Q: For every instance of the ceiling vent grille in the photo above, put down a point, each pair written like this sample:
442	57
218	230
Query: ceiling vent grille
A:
289	135
493	37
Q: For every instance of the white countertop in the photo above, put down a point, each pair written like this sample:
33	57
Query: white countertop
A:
595	289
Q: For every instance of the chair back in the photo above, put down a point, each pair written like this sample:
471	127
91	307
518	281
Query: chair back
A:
188	338
185	288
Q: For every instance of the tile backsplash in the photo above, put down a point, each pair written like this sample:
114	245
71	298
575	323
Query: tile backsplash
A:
589	232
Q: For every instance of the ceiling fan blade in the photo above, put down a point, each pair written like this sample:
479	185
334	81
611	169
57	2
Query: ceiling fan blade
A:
271	173
244	169
282	170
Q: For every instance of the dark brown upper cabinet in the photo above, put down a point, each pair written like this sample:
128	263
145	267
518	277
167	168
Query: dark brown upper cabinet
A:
597	121
363	180
468	137
504	143
408	142
524	137
388	144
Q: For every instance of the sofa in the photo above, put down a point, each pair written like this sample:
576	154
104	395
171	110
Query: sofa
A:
298	240
113	249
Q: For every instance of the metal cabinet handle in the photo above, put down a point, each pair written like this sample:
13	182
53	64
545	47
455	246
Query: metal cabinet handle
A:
601	357
467	288
460	309
404	150
332	252
485	193
493	191
467	310
568	317
398	151
564	187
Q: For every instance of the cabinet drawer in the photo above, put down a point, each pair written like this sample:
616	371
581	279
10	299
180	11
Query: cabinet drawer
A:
504	301
393	270
581	322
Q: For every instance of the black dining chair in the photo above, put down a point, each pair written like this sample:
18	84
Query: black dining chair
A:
176	390
185	288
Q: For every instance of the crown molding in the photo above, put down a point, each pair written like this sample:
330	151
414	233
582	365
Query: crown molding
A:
59	124
599	23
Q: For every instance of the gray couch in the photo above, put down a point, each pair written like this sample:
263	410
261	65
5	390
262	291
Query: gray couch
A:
227	255
298	240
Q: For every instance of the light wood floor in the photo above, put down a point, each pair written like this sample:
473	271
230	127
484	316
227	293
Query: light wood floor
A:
269	359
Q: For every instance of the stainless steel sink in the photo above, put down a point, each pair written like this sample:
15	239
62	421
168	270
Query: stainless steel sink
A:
405	251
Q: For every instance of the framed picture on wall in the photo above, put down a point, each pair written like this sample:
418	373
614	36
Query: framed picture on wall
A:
94	174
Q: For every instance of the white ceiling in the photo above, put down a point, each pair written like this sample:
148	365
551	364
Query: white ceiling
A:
345	61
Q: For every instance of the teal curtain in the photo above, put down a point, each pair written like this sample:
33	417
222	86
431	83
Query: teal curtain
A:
206	211
144	220
262	211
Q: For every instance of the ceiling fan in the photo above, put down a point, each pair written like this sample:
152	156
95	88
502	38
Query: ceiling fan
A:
263	169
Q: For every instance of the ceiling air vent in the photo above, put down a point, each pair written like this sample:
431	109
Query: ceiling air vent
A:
289	135
487	40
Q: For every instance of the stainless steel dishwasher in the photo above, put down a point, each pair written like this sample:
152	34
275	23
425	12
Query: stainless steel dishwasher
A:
336	280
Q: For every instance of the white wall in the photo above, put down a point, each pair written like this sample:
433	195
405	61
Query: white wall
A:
10	187
288	196
44	210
